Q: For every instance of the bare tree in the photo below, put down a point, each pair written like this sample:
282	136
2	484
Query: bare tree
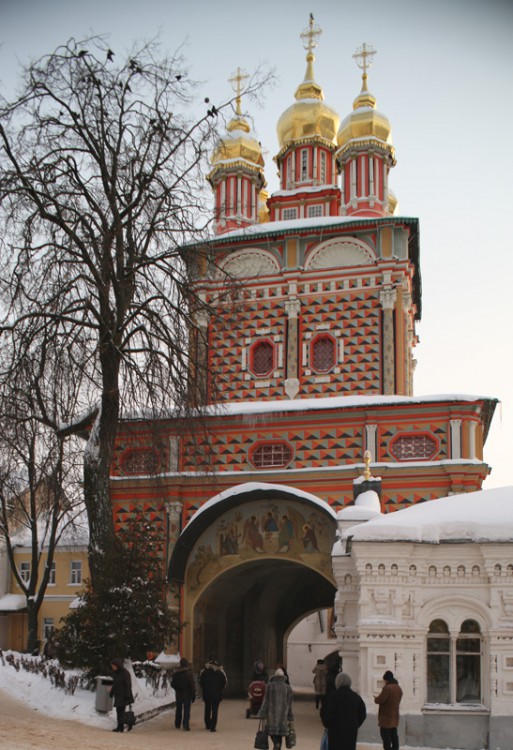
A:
40	492
102	171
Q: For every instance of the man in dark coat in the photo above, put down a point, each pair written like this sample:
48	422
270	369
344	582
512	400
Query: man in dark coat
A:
342	714
212	680
182	683
121	691
388	712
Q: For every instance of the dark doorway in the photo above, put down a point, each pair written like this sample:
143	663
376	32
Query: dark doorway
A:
245	613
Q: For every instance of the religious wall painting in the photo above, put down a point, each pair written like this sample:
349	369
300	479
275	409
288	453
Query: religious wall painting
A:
258	530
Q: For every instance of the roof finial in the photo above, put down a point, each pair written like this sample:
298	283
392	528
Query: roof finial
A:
367	459
236	82
364	59
309	36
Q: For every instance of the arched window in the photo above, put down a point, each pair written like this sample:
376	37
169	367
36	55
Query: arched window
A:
262	358
323	353
454	667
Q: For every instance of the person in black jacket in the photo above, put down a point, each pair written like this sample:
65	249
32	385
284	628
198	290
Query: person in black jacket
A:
121	691
212	680
342	714
182	683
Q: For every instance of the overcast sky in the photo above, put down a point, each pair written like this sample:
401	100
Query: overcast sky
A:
443	75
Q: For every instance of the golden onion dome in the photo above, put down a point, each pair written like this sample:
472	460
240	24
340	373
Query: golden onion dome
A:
238	147
365	122
309	117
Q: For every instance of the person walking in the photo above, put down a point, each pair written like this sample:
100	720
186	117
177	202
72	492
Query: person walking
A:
388	712
276	708
320	680
342	714
212	680
121	691
182	683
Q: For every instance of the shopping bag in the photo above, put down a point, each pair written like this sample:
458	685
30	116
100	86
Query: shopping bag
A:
262	738
290	739
129	718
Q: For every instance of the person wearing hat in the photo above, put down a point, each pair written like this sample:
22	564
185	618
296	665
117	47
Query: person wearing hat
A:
276	708
182	683
388	712
212	680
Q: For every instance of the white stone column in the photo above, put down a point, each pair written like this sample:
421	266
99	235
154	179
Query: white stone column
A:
455	438
370	440
293	309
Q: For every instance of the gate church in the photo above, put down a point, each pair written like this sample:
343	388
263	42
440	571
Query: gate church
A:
317	292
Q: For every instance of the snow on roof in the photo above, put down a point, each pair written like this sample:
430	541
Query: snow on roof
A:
334	402
12	602
75	534
304	223
251	486
482	516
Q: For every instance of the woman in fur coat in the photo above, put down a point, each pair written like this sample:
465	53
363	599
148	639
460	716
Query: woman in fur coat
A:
276	708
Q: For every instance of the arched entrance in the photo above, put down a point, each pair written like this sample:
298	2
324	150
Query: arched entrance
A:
251	562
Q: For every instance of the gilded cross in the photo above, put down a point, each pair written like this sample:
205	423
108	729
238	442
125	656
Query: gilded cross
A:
363	57
236	81
309	35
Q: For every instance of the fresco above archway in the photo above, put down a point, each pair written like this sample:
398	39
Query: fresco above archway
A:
264	528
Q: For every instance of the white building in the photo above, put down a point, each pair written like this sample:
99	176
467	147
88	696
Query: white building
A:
428	593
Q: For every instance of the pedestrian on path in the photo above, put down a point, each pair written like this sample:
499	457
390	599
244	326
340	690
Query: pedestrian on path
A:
320	672
121	691
182	683
388	712
276	708
212	680
342	714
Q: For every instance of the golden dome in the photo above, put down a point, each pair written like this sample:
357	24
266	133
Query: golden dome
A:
237	147
365	121
309	116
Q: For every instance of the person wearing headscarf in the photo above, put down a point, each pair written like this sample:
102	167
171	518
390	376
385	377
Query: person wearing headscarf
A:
276	708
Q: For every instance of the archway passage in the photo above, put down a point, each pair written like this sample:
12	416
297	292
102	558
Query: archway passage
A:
245	613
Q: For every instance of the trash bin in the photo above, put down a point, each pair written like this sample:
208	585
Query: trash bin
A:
103	699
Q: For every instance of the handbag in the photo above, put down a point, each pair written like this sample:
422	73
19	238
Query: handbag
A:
262	737
290	738
129	718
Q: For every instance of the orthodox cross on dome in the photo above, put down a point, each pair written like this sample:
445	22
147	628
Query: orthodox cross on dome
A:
236	81
363	57
309	36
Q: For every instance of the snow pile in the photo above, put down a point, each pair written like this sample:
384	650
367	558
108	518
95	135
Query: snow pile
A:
36	691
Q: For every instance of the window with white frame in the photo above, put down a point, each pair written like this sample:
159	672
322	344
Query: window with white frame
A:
51	577
289	213
48	627
25	572
454	664
76	572
317	210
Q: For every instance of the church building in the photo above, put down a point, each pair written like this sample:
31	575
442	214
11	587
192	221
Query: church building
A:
315	293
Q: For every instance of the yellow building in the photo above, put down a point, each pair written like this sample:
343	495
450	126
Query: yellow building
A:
69	569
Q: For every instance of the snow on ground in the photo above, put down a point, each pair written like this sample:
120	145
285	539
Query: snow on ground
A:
36	691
